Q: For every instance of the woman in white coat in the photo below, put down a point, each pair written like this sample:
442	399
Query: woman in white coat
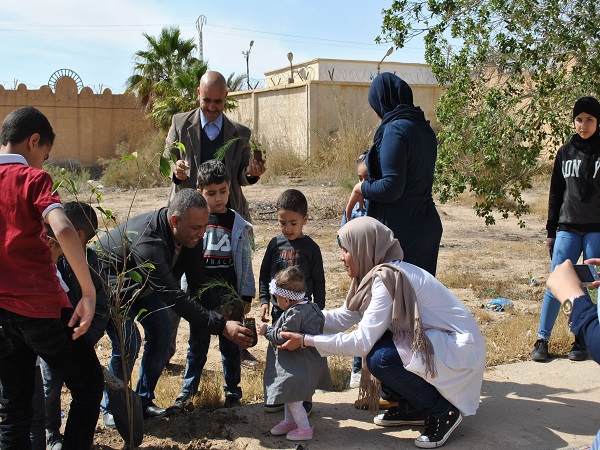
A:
421	345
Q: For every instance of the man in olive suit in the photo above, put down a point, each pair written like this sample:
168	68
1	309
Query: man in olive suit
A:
203	131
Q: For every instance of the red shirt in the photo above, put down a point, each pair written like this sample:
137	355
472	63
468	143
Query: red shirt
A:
28	282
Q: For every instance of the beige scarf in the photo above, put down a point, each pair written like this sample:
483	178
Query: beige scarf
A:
372	245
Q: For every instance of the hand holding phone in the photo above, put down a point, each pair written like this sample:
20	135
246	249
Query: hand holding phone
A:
587	274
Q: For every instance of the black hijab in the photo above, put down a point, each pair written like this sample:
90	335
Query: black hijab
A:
590	147
391	98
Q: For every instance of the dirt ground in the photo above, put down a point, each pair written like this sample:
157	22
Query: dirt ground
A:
470	251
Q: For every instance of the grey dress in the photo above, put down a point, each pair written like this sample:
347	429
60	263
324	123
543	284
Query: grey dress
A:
292	376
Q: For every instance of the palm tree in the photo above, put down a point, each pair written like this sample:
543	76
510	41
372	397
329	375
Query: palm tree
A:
178	94
166	55
235	82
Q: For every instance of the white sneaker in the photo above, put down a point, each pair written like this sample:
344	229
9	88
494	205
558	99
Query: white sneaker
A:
355	380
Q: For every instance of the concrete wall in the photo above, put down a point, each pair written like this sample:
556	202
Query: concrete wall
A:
296	115
87	125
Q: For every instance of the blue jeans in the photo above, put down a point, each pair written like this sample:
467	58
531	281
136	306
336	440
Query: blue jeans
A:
356	364
568	245
199	342
21	340
132	342
157	325
157	338
385	364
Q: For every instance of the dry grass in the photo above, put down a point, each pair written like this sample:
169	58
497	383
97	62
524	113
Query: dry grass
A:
334	161
339	367
282	161
210	392
337	152
538	204
510	336
329	207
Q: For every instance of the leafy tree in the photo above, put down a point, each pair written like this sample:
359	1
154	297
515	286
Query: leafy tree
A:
512	71
155	68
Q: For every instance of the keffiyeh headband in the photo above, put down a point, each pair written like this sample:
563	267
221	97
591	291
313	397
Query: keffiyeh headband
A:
274	289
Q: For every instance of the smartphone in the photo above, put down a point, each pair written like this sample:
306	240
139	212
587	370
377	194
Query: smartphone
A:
258	155
587	273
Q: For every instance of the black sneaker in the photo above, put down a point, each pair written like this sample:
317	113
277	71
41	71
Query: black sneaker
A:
55	445
578	352
394	417
232	401
438	430
307	408
275	407
54	441
540	350
182	404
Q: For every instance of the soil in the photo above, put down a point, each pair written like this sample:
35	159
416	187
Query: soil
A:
470	251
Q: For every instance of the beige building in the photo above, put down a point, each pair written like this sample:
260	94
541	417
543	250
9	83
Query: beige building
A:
87	125
304	102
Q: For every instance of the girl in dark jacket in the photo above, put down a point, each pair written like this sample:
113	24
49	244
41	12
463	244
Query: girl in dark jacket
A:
573	212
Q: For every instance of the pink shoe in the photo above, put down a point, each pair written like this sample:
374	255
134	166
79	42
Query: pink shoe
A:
282	428
300	435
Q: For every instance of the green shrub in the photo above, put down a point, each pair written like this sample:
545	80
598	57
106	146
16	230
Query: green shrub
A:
135	167
71	171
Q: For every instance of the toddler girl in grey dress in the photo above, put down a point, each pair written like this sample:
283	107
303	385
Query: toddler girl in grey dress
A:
291	377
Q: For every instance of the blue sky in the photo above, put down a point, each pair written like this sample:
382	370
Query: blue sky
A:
97	40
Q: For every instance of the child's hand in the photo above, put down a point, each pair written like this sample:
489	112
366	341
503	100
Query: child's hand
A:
84	312
262	330
264	313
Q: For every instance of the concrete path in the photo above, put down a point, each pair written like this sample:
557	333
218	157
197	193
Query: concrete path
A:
527	405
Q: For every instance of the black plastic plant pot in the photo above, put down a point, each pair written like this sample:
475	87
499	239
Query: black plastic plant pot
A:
251	325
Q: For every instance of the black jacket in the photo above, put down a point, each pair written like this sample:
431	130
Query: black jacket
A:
145	245
101	315
565	210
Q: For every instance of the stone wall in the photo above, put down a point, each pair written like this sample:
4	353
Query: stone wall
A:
87	125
